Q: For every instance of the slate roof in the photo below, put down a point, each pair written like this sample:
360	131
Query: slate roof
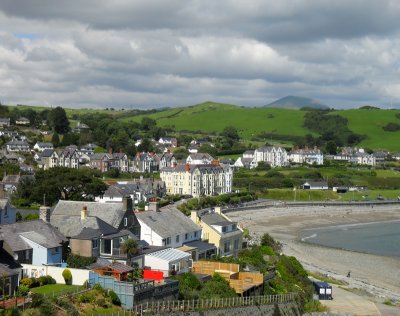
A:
214	219
168	222
40	239
47	153
111	213
202	168
40	144
89	228
200	245
10	233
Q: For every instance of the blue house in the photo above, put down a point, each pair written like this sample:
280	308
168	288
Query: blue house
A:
33	242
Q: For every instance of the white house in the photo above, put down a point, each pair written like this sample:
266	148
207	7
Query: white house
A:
199	159
313	185
40	147
307	155
273	155
168	227
169	260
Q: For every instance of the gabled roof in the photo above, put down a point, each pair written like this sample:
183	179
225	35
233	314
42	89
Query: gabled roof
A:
214	219
88	228
40	144
168	222
111	213
10	233
199	156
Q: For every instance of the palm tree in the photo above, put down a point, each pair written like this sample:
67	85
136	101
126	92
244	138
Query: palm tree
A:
130	247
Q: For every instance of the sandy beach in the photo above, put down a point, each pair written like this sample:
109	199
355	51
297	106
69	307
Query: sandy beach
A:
377	275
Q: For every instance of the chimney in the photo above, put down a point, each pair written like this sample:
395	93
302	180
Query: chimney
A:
44	214
215	162
194	217
187	167
154	206
128	204
217	210
84	213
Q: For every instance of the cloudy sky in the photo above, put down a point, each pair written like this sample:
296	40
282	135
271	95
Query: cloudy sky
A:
146	54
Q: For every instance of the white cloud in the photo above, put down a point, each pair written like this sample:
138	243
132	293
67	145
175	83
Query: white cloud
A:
157	53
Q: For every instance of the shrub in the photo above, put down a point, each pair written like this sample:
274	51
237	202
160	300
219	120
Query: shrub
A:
102	303
67	275
97	287
26	282
76	261
114	298
22	290
70	308
88	297
12	311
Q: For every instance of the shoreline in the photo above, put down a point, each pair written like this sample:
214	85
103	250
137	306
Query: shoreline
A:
375	274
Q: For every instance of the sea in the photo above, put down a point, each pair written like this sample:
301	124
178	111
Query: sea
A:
378	238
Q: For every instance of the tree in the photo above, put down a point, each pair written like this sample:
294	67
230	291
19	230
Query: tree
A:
130	247
331	147
231	133
64	183
206	148
55	139
58	120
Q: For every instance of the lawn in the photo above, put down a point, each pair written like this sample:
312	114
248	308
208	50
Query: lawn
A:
56	289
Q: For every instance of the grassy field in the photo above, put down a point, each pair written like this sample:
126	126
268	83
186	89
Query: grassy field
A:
213	117
371	123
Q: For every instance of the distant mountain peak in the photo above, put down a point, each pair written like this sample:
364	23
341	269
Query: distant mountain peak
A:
296	102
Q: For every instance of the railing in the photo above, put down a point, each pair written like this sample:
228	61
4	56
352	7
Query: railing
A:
155	307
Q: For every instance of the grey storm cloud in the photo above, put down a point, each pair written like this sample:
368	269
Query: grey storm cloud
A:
158	53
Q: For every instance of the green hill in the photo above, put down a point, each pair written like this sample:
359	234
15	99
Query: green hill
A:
213	117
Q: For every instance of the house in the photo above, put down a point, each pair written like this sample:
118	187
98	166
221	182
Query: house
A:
167	227
198	180
168	141
219	230
89	149
10	272
167	160
121	162
4	122
365	159
140	190
272	155
101	161
242	162
40	147
307	155
315	185
90	236
17	145
118	215
199	159
7	212
169	261
69	157
80	128
9	134
22	121
48	159
33	242
145	162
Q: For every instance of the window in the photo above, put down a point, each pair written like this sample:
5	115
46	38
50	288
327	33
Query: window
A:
166	241
236	244
195	234
224	229
54	250
227	246
177	238
234	227
95	243
186	236
125	221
